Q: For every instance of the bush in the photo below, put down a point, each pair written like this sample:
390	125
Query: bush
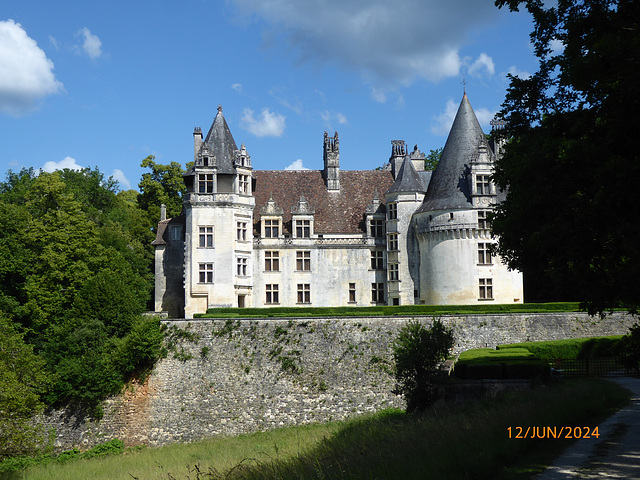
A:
418	352
629	349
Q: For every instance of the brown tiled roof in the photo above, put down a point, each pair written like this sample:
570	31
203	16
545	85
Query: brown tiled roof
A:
335	212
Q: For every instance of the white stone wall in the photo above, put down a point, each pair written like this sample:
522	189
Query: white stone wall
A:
332	269
450	272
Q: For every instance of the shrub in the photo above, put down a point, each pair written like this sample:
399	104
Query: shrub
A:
418	351
629	349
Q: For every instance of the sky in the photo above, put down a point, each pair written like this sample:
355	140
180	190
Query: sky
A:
105	84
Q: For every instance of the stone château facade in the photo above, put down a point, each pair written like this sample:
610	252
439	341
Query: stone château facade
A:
397	236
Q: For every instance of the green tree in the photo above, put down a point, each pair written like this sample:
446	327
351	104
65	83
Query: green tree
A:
418	352
163	185
572	162
22	381
433	158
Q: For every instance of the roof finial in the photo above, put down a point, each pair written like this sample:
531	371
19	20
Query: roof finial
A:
464	84
219	108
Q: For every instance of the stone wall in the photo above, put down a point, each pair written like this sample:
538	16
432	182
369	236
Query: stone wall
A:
239	376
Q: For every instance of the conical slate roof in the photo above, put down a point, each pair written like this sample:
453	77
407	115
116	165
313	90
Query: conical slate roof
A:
408	179
449	185
220	143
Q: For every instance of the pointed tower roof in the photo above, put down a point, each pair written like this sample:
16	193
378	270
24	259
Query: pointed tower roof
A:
221	144
449	185
407	179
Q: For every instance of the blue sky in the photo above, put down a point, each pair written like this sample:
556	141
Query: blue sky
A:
104	84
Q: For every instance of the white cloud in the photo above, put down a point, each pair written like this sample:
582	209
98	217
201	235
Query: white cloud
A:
237	87
66	162
121	178
483	63
442	123
269	124
444	120
328	118
518	73
91	44
296	165
378	94
556	46
27	74
390	43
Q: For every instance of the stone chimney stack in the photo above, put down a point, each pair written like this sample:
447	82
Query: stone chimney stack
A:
331	155
197	142
163	212
398	152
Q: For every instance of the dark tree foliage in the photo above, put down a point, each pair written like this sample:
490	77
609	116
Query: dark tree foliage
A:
572	163
418	352
75	277
433	158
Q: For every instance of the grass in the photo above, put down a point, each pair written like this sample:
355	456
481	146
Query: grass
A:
388	310
575	348
468	442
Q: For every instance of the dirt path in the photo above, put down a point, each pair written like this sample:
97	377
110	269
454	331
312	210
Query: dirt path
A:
615	454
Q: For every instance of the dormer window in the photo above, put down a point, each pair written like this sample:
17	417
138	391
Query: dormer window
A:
205	183
205	161
483	184
243	184
303	228
271	228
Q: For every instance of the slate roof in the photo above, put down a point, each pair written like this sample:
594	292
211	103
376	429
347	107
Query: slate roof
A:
335	212
449	188
220	143
408	179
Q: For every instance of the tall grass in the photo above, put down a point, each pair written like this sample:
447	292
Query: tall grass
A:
468	442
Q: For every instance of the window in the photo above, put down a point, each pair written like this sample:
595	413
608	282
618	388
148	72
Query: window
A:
392	211
483	219
483	184
393	241
393	271
484	254
304	293
303	228
205	183
272	261
486	289
242	266
377	228
206	272
271	228
352	293
377	260
241	231
272	293
206	237
175	232
303	261
377	292
243	183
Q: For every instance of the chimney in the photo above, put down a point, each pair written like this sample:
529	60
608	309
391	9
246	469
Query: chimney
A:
197	142
163	212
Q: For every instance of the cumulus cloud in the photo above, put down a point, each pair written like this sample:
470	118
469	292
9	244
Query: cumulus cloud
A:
237	87
268	124
390	43
442	122
121	178
27	74
483	64
296	165
91	44
66	162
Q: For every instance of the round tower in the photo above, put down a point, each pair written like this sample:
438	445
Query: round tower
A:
452	224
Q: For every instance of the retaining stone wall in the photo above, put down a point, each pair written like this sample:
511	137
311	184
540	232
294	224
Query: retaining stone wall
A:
241	376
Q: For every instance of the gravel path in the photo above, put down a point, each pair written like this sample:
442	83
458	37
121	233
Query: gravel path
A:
615	454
